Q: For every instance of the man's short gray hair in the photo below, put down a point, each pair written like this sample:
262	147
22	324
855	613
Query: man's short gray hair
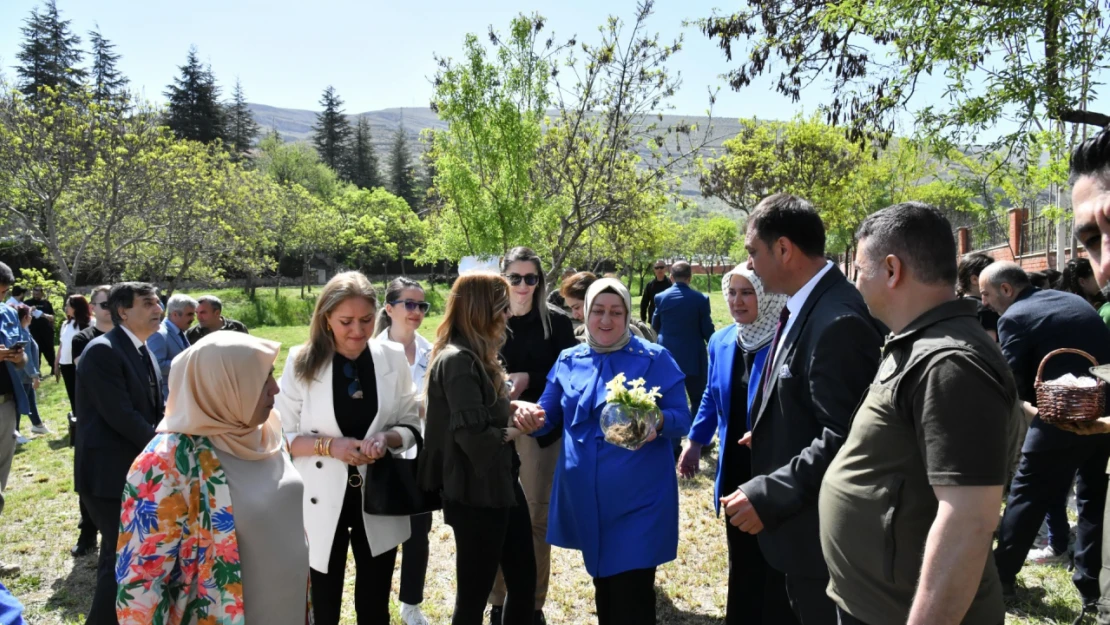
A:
999	273
211	300
178	302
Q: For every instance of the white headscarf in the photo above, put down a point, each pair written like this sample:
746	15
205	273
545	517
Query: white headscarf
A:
752	336
609	285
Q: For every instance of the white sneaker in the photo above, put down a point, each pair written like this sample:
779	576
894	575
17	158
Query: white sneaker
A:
40	429
21	439
411	615
1047	556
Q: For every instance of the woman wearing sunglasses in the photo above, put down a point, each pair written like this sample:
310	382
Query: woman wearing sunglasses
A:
398	322
469	457
538	332
346	401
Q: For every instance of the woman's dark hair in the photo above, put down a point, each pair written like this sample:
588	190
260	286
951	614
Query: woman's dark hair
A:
1053	277
970	267
1038	279
81	312
539	296
576	286
392	292
1075	270
22	311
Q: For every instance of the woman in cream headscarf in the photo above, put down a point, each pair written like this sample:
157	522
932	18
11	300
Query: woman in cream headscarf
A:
212	529
618	507
736	360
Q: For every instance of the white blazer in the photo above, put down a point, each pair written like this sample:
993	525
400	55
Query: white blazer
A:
307	409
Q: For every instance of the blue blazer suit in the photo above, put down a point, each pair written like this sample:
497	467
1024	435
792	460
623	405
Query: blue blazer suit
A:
684	325
618	507
715	409
164	346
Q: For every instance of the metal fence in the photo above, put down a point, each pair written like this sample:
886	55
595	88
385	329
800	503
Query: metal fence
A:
1038	234
993	232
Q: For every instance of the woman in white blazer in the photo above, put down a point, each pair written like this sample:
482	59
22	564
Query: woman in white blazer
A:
399	319
346	401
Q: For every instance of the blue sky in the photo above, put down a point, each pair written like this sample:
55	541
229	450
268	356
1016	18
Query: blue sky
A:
376	54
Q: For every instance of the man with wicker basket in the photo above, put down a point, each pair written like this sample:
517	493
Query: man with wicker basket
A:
1051	339
927	454
1090	198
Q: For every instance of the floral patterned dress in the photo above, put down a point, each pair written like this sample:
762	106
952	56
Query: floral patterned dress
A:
178	557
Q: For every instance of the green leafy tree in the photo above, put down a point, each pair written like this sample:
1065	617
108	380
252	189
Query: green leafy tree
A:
50	55
374	221
109	85
242	130
331	133
297	163
402	173
1017	59
362	162
194	111
711	241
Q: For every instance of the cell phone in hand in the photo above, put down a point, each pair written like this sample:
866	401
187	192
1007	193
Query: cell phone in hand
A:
18	347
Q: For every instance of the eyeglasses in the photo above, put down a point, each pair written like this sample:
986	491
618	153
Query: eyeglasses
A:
354	389
530	279
412	305
660	268
103	305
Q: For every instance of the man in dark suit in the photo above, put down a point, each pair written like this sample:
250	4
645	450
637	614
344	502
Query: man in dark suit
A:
1033	324
824	356
684	326
119	403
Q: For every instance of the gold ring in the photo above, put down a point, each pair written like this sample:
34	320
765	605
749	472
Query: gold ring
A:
354	480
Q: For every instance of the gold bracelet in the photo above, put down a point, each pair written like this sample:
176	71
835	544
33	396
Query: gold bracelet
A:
316	447
327	447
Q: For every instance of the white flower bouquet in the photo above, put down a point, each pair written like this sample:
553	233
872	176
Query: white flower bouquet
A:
630	412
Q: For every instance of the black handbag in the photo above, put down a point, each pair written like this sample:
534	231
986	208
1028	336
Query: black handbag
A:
391	487
71	423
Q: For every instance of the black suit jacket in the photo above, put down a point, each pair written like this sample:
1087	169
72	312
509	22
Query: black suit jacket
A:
831	353
115	417
1038	323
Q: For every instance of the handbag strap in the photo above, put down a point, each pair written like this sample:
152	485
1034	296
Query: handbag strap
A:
415	434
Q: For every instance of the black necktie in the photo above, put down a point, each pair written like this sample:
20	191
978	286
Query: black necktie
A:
769	363
184	340
152	379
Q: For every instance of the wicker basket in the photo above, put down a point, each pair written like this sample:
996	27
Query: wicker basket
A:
1069	404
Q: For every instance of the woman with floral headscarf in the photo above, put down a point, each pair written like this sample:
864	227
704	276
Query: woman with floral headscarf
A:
736	356
619	507
212	525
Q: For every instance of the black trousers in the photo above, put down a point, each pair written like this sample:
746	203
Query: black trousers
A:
747	574
105	513
809	600
373	575
1040	478
44	337
626	598
69	376
484	539
695	389
776	603
414	560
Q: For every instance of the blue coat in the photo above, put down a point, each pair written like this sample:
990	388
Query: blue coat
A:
11	332
164	346
684	325
618	507
715	409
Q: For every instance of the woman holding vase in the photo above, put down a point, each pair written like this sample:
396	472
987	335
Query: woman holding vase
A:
736	357
619	507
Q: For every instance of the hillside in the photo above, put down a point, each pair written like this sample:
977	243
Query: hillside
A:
296	125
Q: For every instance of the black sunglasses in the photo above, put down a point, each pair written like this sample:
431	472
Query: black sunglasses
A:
354	388
103	305
411	305
530	279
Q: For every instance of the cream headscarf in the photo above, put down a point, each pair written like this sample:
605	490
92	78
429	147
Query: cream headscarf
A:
754	335
214	389
609	285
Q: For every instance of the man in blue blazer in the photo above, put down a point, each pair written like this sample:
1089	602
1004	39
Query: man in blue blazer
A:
684	327
170	340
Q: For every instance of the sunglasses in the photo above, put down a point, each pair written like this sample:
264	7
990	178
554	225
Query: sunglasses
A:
354	389
411	305
103	305
659	268
530	279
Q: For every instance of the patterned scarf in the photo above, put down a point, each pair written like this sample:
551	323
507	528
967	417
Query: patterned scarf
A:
752	336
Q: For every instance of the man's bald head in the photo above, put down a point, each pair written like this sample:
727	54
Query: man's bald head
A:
1001	283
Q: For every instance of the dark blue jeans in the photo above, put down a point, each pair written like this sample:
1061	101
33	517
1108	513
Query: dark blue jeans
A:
33	412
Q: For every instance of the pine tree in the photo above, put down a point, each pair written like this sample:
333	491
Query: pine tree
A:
362	163
49	56
402	173
108	83
241	127
332	133
195	111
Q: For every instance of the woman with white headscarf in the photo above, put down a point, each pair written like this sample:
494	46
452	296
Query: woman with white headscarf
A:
212	528
619	507
736	359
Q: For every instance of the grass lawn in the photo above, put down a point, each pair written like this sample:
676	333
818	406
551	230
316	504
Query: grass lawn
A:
39	525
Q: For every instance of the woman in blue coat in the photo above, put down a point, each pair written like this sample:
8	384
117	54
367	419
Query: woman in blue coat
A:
618	507
737	355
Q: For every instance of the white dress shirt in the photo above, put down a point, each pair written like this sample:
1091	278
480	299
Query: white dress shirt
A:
797	301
